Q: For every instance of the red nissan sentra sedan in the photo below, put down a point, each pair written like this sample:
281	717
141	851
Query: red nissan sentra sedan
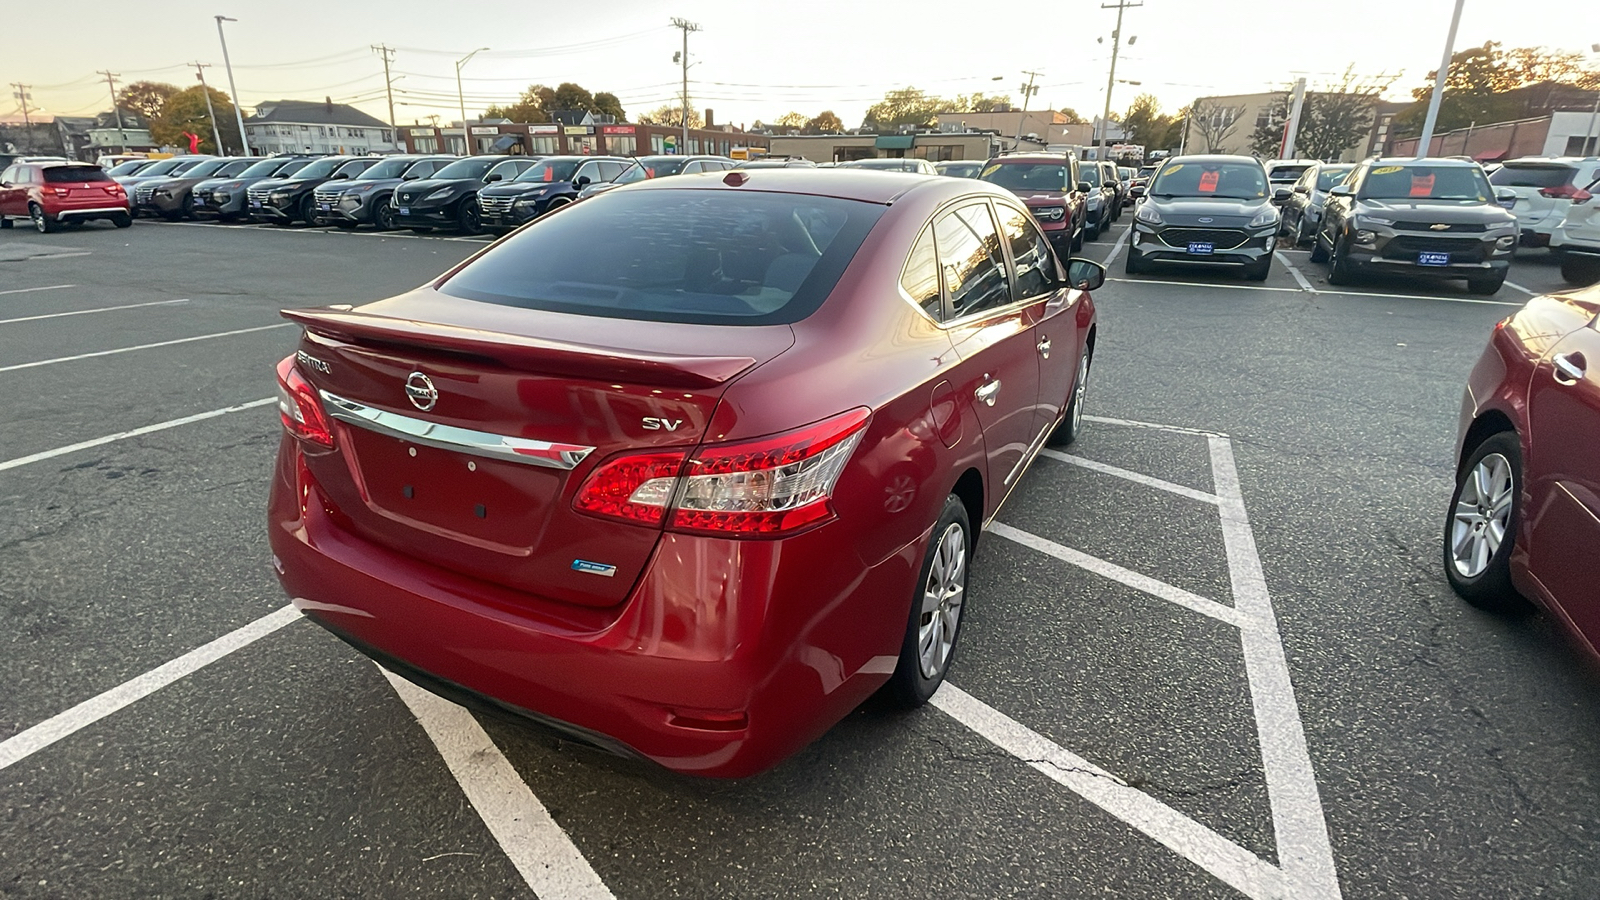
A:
689	469
1524	521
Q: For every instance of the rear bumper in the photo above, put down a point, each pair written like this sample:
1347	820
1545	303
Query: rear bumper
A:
82	214
725	658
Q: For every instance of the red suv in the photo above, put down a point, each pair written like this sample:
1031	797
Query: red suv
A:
1050	184
53	193
688	470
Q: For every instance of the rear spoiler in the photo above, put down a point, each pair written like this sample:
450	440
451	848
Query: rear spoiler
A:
529	354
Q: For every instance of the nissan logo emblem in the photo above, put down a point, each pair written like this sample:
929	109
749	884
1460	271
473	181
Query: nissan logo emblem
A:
421	392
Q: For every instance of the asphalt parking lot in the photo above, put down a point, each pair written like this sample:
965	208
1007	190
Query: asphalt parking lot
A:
1209	650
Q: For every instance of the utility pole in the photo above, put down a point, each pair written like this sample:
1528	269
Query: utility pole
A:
1425	142
1111	80
687	26
466	130
216	134
388	86
1293	127
238	111
22	95
1028	90
111	80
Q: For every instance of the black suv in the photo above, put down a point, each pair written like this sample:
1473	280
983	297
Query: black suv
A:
551	183
450	198
1211	210
364	200
1431	218
284	201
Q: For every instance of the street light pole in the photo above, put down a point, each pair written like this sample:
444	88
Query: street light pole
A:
1425	142
1111	80
238	113
466	130
211	112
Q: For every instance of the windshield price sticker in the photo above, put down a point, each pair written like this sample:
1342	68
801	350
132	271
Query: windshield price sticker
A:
1386	170
990	171
1208	182
1170	169
1422	185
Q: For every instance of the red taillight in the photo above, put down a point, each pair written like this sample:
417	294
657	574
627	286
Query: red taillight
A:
62	192
765	487
113	189
1560	192
299	407
1581	197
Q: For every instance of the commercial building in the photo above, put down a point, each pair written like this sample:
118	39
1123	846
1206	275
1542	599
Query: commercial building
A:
1567	133
1036	127
934	146
298	126
1228	123
590	138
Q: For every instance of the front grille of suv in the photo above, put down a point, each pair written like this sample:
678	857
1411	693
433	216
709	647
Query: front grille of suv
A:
1218	238
259	194
329	195
497	206
143	194
1406	247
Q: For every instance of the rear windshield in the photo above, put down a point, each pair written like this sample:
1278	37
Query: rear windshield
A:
1027	176
1331	175
74	174
1233	181
1286	173
960	170
1513	175
1426	182
713	257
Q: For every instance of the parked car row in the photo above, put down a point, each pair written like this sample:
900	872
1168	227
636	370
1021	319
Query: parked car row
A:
1555	207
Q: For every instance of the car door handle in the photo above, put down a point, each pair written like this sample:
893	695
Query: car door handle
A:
1044	347
987	391
1569	367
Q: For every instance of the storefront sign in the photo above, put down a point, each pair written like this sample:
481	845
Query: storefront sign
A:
578	129
485	129
616	129
542	129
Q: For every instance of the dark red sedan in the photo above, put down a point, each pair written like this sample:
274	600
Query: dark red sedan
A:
1525	517
689	469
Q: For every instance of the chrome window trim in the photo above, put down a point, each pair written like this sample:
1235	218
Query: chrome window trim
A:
527	451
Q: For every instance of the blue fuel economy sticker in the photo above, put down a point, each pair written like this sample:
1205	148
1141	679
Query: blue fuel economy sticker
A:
593	568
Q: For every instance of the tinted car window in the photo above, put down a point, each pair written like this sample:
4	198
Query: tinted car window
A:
1286	173
1027	176
1238	181
920	278
465	168
74	174
969	252
550	170
262	169
234	168
716	257
1396	182
207	169
1091	174
589	170
161	168
389	168
1513	175
354	167
293	167
318	168
507	170
129	167
1329	176
1029	251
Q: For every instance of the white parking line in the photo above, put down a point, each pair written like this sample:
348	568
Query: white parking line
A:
1336	292
1122	240
1236	866
1299	279
1106	420
85	312
124	435
1469	300
1207	284
1517	287
544	855
1127	475
24	744
1142	583
50	287
202	337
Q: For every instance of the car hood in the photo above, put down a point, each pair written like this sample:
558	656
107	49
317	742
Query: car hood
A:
516	189
1190	211
1434	211
427	186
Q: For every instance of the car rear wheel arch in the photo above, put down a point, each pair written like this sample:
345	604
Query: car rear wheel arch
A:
969	489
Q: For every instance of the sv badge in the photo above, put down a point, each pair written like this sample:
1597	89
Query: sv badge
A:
651	423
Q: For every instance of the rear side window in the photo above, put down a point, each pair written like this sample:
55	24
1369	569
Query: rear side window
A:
920	280
969	253
354	168
1029	251
1513	175
74	174
714	256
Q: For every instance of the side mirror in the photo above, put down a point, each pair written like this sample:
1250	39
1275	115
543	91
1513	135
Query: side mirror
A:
1084	187
1085	274
1301	189
1281	194
409	177
1341	190
493	178
1506	197
582	181
340	176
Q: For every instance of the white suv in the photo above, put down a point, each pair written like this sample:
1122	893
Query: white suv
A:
1576	241
1544	187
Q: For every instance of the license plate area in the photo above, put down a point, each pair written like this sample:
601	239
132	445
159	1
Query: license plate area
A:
1201	248
405	210
1427	258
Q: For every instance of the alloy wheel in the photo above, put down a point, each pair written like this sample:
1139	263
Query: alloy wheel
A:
942	597
1481	516
1079	389
40	223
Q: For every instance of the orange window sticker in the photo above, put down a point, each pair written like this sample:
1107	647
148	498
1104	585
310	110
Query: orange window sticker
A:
1208	182
1422	185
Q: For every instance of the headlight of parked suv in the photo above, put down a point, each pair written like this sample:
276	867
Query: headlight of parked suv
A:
277	197
525	203
1051	213
1505	242
1147	214
1369	221
440	194
1267	216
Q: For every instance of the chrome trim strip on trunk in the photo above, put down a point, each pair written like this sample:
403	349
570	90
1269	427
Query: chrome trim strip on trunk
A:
448	437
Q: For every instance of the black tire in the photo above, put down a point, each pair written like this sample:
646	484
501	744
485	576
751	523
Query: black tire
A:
1339	264
422	230
308	210
910	686
1071	427
41	222
1259	271
5	222
1486	286
1490	588
1300	231
1580	270
122	220
174	216
1091	232
1133	264
383	216
468	221
1318	254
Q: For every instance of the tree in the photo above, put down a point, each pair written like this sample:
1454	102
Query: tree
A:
1267	137
981	103
671	114
1212	124
1072	116
606	103
792	121
1145	125
1483	85
185	111
146	97
532	108
571	96
1339	116
824	123
908	106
